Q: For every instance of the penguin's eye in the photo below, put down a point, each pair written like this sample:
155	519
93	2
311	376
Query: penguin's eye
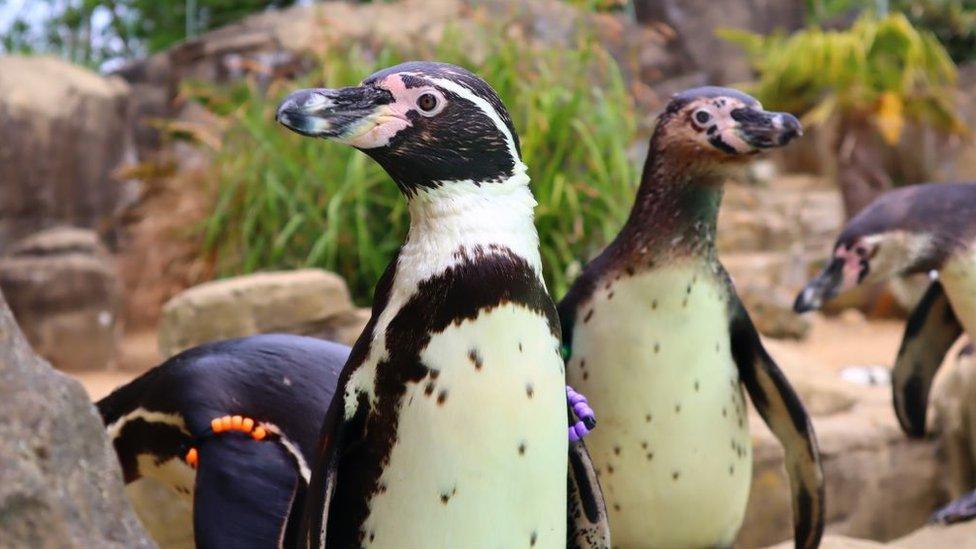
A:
427	102
702	116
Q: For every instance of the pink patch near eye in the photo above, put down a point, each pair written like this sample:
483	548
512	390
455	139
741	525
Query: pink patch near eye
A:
852	267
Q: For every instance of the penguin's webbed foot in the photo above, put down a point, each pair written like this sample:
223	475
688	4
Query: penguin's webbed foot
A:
581	408
960	510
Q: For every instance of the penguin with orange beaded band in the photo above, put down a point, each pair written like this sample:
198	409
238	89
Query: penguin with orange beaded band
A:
229	428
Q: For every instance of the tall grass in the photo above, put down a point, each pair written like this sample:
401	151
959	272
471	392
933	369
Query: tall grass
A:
283	201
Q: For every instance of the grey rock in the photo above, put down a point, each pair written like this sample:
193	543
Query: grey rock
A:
304	301
63	133
60	483
64	291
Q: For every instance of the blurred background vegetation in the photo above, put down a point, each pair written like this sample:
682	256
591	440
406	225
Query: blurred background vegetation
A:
863	72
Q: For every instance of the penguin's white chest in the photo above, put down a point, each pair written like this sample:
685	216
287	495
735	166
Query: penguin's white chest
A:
481	448
958	277
168	519
651	352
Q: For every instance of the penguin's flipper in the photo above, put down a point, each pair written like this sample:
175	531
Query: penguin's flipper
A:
781	409
960	510
931	330
587	526
333	440
244	492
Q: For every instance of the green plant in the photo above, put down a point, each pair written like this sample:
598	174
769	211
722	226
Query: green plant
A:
92	32
952	21
865	84
282	201
882	70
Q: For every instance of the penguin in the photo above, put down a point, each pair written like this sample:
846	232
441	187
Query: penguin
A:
231	429
926	228
659	341
450	430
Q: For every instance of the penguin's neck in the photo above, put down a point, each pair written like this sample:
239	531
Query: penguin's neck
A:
460	219
675	212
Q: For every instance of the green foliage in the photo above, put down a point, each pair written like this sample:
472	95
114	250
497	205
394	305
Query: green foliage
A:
952	21
91	32
882	71
283	201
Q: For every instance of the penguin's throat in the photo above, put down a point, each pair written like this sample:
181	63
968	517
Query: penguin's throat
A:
463	217
676	209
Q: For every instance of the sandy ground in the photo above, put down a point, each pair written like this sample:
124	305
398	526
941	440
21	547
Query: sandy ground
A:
834	343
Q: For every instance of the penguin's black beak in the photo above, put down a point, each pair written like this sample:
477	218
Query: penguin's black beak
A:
821	289
765	130
341	114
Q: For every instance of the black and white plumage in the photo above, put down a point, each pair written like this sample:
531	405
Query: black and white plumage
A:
242	490
928	228
661	345
451	430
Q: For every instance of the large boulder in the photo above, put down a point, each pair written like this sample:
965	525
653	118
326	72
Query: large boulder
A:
60	483
63	132
308	302
64	292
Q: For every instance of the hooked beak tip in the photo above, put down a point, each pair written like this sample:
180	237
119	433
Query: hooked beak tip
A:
806	301
790	127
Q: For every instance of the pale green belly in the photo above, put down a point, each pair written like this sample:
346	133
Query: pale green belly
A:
672	443
481	457
958	277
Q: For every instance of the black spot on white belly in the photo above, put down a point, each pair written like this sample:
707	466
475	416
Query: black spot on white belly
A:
532	539
441	397
521	448
529	391
476	359
446	496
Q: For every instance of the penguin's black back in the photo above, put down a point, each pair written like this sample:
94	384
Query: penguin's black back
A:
281	379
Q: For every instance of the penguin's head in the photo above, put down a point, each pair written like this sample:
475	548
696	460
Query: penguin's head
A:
867	258
721	125
428	124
